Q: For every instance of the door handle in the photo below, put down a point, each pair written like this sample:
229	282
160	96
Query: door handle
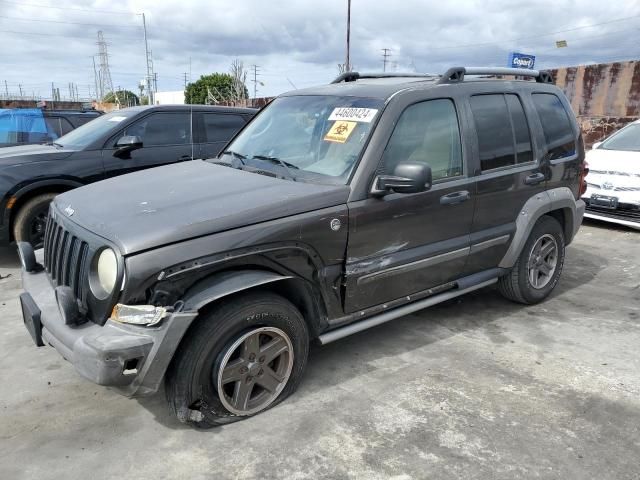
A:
455	197
534	179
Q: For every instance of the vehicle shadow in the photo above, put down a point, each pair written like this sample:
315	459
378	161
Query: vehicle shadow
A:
365	352
604	225
9	257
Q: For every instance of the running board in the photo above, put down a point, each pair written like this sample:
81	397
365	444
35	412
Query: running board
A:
376	320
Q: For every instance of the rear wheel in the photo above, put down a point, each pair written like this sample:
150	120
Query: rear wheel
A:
538	269
31	220
244	356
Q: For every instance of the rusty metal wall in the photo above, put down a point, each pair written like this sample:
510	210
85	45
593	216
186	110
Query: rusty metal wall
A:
604	97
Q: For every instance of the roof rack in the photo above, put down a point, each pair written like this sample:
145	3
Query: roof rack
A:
353	76
456	74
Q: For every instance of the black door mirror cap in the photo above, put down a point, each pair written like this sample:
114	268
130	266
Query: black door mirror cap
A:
408	177
127	144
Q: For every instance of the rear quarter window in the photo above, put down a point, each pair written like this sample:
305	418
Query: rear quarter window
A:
556	125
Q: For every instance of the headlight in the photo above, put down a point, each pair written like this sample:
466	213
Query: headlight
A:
105	274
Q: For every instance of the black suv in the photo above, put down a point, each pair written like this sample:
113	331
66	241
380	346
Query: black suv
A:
335	209
119	142
25	126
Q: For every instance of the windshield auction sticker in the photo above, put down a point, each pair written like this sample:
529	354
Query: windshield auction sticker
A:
340	131
117	119
353	114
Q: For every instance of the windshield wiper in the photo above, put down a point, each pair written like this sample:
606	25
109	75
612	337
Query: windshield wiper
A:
286	165
237	155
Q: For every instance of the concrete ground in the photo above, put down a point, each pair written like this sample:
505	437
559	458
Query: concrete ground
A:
476	388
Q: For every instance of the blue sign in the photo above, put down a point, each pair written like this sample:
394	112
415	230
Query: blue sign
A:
521	60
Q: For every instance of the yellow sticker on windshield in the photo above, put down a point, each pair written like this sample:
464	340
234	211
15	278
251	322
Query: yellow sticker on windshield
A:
340	131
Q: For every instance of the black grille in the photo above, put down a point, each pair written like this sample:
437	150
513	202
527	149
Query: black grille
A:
622	213
66	258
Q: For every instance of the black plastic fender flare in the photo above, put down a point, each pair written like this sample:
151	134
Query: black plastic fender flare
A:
224	284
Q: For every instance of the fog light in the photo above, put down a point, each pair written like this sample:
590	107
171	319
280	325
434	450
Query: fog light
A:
138	314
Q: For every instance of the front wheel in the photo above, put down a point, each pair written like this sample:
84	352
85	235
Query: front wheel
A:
243	357
539	265
31	220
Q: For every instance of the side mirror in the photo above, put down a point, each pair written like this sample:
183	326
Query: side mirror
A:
408	177
127	144
596	145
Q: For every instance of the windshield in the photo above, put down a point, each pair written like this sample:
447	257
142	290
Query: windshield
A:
627	139
88	133
309	137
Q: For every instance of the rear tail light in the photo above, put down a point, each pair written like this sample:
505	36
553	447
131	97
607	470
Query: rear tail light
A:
584	171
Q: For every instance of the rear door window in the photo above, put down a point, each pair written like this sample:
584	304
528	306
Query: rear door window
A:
557	128
503	132
495	135
221	127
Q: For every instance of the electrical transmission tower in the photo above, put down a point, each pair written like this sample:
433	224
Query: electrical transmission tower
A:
255	81
105	85
385	58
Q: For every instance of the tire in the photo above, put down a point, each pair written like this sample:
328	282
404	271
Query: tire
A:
522	284
31	220
211	347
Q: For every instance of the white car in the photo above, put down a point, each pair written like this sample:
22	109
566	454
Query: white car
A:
613	183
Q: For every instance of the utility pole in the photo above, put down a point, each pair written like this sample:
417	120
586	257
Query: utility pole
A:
385	58
20	88
155	83
255	81
146	51
347	67
6	89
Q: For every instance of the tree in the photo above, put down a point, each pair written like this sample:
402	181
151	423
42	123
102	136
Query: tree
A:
125	98
212	89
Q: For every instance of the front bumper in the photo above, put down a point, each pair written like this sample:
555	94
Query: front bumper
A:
625	210
131	358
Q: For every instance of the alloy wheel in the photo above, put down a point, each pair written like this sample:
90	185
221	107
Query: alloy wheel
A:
254	370
543	261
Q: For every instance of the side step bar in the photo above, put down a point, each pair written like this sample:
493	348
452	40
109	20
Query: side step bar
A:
376	320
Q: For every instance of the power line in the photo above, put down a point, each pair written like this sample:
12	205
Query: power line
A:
114	12
69	23
536	36
61	35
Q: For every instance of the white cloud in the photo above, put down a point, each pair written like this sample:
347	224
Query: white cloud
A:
299	42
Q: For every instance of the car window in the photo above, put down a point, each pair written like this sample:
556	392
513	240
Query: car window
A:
556	125
162	129
221	127
427	132
495	135
627	139
320	137
524	152
54	127
79	120
102	126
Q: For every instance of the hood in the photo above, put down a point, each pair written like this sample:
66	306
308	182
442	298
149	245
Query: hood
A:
32	153
614	161
168	204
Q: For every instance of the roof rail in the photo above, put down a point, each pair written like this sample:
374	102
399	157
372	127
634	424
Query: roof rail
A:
353	76
456	74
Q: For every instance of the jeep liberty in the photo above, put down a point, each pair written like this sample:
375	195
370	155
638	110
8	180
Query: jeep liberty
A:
336	209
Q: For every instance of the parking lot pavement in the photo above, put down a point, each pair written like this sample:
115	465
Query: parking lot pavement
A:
476	388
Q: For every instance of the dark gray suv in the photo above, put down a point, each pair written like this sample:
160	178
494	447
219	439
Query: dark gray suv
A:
335	209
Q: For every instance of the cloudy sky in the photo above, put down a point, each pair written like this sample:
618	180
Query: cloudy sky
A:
298	43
